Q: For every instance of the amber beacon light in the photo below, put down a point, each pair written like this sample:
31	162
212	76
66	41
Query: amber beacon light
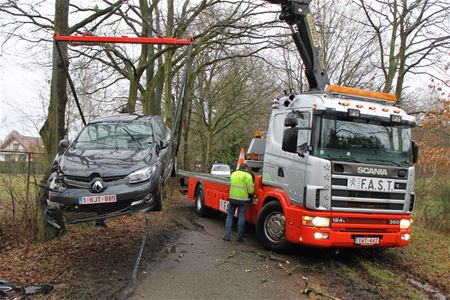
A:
359	92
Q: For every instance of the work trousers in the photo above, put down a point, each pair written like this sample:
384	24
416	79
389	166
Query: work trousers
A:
241	220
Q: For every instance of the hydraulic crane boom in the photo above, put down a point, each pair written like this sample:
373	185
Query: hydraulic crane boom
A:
297	13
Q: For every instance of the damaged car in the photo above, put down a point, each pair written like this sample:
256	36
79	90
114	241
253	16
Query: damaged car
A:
115	166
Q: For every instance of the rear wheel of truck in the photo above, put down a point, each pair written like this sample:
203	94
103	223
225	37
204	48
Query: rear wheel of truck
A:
271	227
200	209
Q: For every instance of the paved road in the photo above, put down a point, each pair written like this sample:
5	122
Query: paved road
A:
199	265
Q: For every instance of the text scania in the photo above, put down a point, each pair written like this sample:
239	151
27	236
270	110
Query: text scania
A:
374	171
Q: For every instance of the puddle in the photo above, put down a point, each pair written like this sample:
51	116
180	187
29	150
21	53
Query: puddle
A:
437	294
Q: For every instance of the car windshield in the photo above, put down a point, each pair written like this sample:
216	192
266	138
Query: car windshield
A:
362	140
117	135
221	168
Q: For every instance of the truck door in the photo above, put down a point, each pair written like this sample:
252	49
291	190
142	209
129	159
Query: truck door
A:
286	153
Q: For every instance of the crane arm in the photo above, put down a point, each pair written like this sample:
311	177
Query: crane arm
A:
297	14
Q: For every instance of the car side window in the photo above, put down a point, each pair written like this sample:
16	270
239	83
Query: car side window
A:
158	132
162	126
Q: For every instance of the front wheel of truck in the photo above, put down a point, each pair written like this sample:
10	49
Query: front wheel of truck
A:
271	227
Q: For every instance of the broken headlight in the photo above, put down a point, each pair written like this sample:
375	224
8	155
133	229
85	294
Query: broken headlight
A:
141	175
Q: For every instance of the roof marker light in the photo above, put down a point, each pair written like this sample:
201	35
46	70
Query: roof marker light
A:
359	105
397	111
353	113
372	107
385	109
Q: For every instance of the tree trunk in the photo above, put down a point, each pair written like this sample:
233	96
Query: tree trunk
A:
168	109
53	129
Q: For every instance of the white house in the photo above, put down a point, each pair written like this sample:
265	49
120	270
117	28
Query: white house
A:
16	146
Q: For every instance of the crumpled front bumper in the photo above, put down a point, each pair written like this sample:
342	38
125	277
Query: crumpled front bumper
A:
64	205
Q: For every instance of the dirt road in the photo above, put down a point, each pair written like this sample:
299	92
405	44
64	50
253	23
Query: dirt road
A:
185	258
200	265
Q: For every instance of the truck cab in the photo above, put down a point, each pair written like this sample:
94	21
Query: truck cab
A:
342	151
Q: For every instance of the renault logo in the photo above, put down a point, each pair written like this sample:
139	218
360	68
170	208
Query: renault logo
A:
97	186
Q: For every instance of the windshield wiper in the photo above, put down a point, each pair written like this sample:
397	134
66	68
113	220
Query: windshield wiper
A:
139	144
384	160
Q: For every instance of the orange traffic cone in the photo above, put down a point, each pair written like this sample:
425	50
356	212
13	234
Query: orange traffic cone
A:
241	159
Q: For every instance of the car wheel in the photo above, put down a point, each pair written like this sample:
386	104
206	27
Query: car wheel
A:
200	209
175	167
271	227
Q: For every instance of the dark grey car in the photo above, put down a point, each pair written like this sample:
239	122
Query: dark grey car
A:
116	165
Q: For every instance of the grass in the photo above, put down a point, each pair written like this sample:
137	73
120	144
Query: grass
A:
433	204
391	285
427	256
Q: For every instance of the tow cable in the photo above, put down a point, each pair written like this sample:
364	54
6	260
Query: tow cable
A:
132	285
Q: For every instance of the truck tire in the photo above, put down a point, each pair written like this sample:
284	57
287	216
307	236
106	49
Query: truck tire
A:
199	204
271	227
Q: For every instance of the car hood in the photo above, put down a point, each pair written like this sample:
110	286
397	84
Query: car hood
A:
77	162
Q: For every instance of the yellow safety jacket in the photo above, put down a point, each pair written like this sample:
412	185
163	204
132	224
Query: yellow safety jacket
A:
241	186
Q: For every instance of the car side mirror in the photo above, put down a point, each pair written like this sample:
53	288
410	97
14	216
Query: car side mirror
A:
63	144
415	151
163	144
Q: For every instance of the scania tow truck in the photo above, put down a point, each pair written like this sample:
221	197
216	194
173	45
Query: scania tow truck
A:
335	167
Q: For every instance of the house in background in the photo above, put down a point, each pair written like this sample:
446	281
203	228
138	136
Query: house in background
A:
16	146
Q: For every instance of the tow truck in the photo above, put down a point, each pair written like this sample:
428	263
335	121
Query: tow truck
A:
336	167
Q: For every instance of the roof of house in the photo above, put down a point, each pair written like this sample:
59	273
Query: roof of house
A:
29	143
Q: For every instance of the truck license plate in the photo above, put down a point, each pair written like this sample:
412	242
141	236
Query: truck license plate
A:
370	184
367	241
97	199
224	205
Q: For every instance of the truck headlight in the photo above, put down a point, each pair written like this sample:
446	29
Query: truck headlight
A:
316	221
141	175
405	224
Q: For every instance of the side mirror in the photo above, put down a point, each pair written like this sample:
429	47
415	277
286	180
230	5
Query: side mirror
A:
290	137
62	146
302	150
415	151
163	144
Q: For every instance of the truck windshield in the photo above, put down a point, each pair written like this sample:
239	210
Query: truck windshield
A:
119	136
361	140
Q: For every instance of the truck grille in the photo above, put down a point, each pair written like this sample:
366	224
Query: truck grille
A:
344	199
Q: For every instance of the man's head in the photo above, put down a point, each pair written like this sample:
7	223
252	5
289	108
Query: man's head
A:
243	167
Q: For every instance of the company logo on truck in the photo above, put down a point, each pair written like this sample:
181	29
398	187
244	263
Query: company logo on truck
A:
373	171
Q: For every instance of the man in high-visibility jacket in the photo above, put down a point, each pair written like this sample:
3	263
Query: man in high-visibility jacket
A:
241	193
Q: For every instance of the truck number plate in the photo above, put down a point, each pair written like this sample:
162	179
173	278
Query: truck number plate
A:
367	241
97	199
370	184
224	205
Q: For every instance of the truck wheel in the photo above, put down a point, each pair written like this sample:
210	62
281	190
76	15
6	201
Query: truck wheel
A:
174	167
271	227
200	209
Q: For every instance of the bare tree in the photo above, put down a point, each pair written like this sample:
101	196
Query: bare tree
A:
411	36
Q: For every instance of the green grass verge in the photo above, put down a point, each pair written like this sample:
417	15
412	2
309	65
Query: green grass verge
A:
427	256
389	284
